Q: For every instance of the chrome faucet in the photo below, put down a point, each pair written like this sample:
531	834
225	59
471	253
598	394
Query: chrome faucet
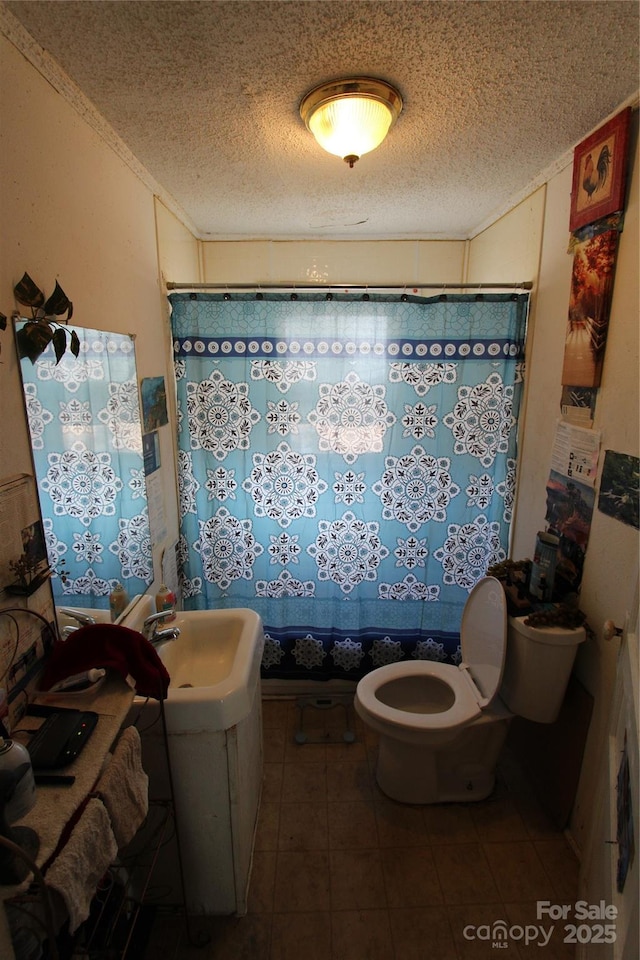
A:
85	619
150	626
169	633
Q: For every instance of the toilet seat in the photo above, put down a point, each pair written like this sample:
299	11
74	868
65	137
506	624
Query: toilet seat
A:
465	707
474	683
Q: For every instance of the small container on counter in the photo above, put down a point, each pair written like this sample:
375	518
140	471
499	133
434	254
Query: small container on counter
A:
15	757
118	600
166	601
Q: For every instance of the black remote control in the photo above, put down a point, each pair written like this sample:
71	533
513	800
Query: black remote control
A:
54	779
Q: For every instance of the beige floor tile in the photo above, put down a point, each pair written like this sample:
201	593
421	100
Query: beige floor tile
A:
304	781
498	819
536	821
357	881
275	713
295	936
320	725
272	782
309	752
449	823
361	935
262	880
166	938
235	938
346	752
518	872
268	825
372	758
369	736
303	826
342	872
464	873
410	877
553	936
399	825
273	739
473	925
510	771
352	825
421	933
348	781
561	866
302	882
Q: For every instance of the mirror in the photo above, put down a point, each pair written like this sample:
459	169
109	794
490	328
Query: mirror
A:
86	439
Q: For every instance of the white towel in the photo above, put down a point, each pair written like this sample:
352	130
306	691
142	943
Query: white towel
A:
124	787
77	870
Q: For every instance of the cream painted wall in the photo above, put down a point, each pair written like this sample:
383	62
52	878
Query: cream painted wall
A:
72	211
611	568
179	253
610	580
334	262
509	250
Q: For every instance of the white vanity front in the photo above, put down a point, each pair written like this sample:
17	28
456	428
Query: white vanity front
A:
214	725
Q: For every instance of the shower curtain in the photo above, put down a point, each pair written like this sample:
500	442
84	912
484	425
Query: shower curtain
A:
346	467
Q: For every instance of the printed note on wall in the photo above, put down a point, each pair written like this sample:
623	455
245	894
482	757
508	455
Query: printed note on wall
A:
575	452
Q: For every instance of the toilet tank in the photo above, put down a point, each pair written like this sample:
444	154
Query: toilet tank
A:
537	668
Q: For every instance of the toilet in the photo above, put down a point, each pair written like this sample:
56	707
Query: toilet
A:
441	727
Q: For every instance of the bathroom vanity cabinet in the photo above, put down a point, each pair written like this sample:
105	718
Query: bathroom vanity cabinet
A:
217	782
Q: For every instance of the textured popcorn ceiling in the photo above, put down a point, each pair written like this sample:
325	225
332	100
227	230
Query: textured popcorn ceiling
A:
206	95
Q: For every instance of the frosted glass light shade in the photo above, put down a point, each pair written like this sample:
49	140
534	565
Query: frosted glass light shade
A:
349	118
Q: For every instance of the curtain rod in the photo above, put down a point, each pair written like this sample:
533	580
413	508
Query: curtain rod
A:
318	288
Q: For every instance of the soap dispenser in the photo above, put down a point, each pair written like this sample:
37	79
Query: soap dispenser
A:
118	600
165	600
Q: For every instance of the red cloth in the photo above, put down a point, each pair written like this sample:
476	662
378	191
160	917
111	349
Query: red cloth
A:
113	647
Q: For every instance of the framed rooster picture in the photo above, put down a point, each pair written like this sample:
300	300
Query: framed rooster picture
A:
599	172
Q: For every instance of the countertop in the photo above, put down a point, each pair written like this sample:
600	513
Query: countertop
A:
56	805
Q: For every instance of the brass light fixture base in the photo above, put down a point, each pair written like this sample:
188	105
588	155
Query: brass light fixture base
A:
338	92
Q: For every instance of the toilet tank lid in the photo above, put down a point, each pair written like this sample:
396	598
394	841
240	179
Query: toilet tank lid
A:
483	635
555	636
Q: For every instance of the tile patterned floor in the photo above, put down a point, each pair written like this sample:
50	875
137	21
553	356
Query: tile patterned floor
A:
341	872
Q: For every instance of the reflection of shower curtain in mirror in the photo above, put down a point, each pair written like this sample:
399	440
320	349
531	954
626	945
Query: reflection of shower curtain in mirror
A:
86	437
347	468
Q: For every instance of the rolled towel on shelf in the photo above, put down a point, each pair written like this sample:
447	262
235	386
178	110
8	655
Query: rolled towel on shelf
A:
77	870
124	787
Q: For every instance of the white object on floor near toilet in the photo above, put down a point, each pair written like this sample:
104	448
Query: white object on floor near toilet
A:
442	727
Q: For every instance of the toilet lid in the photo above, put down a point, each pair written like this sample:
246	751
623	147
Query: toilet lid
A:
483	635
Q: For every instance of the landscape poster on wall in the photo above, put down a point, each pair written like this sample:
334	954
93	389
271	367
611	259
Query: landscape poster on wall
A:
620	488
599	172
590	297
570	505
154	403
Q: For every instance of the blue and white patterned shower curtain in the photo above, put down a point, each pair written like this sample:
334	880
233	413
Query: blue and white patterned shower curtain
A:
346	467
86	437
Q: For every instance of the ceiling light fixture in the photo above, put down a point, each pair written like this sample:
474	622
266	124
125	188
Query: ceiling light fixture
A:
351	117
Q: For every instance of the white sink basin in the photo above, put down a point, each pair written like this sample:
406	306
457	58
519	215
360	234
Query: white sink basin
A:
214	665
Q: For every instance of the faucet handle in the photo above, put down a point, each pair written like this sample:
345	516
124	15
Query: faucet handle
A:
85	619
149	625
